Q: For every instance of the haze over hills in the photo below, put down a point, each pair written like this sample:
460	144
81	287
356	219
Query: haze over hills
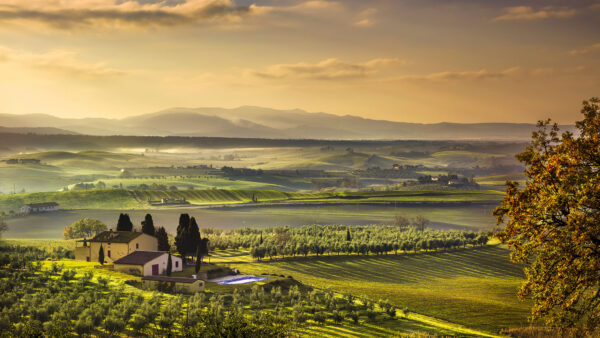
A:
260	122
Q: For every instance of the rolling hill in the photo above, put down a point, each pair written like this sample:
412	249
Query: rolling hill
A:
260	122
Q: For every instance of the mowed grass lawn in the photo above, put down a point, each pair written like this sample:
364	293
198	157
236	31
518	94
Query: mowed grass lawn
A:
475	288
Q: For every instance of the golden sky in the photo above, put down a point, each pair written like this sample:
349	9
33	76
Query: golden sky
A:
403	60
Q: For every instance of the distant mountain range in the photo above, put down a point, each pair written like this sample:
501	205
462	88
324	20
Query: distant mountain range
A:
260	122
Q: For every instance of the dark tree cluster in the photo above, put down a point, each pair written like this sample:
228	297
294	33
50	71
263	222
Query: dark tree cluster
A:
188	240
124	223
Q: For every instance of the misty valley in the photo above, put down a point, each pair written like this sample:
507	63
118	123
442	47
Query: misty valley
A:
299	168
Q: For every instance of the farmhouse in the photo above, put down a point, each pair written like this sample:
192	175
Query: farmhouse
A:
116	245
147	263
39	207
178	284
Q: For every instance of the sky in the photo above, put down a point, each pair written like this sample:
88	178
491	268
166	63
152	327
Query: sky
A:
421	61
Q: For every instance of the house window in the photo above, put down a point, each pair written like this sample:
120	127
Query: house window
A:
176	264
137	245
108	253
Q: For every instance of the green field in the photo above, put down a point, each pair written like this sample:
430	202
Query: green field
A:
91	199
474	288
123	199
468	292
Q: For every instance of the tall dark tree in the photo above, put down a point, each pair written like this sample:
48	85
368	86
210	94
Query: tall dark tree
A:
101	255
198	259
261	239
163	240
203	248
148	225
553	222
124	223
169	265
348	236
193	240
182	236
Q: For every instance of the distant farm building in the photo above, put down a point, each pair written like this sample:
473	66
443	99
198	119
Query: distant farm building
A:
32	208
147	263
177	284
23	161
169	201
116	245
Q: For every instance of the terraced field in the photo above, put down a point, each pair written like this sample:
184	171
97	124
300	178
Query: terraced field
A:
475	288
123	199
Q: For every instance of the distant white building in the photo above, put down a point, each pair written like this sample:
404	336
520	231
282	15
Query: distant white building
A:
39	207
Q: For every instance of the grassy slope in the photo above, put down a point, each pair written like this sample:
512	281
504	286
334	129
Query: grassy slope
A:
383	328
92	199
122	199
475	288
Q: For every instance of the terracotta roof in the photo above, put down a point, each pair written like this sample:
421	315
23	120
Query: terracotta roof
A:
139	257
171	279
116	236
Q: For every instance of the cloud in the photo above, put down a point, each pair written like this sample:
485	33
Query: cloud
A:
526	13
482	74
61	62
65	14
486	75
365	18
586	49
329	69
364	23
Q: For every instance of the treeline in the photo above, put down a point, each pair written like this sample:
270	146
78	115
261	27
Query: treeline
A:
341	239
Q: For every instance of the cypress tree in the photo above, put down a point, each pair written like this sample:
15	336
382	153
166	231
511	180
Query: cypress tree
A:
148	225
169	265
203	248
198	259
101	255
194	237
163	240
182	237
124	223
348	237
261	239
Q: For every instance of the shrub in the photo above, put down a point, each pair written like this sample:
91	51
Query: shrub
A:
319	317
353	316
138	322
68	275
337	316
114	324
372	316
84	325
103	281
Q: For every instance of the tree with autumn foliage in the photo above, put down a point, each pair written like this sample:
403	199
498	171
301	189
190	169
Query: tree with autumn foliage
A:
552	224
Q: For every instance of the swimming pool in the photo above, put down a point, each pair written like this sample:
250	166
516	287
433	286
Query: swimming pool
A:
242	280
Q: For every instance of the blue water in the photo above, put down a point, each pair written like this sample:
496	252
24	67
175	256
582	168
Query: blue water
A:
243	280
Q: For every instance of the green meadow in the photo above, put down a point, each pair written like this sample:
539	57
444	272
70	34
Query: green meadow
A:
474	288
124	199
467	292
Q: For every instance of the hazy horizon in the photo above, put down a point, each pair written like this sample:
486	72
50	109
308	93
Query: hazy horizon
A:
168	110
